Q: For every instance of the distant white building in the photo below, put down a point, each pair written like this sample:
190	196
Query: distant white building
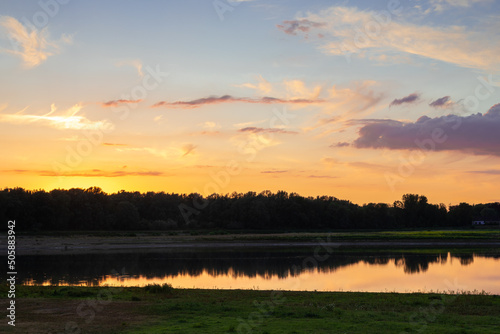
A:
486	223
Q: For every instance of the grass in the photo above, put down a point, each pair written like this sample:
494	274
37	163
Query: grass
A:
411	234
162	309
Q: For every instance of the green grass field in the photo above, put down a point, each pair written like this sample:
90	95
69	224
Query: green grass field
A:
412	234
158	309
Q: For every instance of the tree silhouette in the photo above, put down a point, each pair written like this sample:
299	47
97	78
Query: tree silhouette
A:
93	209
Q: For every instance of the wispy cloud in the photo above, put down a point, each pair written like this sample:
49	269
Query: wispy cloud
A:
263	86
458	45
412	98
136	63
274	171
210	125
113	144
230	99
115	103
487	171
444	103
252	129
85	173
206	133
172	152
31	45
322	177
66	120
188	149
296	89
292	27
360	97
340	144
441	5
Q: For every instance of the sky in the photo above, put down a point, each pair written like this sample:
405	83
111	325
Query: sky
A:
361	100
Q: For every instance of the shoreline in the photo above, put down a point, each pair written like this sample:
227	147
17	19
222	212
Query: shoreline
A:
159	309
49	245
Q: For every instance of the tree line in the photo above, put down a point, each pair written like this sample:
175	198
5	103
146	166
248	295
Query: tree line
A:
93	210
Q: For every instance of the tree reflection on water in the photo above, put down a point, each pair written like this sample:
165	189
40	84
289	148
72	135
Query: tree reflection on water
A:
92	269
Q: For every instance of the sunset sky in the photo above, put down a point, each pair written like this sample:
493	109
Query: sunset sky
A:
361	100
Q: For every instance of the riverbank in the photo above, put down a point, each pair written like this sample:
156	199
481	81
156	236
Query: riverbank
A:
80	242
164	310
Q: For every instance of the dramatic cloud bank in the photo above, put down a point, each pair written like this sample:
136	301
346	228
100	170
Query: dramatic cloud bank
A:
476	134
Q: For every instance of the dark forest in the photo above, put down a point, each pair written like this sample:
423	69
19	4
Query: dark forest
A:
94	210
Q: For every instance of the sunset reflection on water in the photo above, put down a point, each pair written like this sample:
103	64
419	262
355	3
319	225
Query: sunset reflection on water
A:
450	274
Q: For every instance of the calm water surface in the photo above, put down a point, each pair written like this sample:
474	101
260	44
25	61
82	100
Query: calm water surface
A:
345	270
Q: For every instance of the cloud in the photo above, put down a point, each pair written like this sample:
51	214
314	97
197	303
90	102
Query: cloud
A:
71	138
263	86
31	45
136	63
86	173
360	97
113	144
167	153
440	5
347	33
209	125
206	133
488	171
407	99
230	99
67	120
188	149
292	27
322	177
354	164
352	100
297	89
274	171
115	103
252	129
475	134
444	102
340	144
